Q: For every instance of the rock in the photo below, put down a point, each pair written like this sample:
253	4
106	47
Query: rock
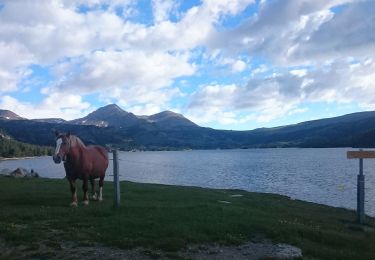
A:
23	173
19	173
32	174
285	251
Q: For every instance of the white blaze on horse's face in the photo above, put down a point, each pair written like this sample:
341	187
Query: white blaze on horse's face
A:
56	157
58	145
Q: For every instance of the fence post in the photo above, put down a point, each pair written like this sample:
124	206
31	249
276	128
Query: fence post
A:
361	194
116	179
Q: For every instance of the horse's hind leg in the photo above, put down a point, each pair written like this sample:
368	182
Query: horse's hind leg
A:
85	185
72	185
101	182
93	192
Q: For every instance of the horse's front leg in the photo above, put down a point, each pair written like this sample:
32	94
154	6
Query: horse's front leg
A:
73	190
85	184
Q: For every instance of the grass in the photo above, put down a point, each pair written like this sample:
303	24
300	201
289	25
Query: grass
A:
160	217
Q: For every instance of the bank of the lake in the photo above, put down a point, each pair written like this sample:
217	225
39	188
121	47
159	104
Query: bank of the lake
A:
35	217
323	176
17	158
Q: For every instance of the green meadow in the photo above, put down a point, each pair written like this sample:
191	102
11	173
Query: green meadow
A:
170	218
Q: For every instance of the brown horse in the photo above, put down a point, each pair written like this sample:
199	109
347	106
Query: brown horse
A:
81	162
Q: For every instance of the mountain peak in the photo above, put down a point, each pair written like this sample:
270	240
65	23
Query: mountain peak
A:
109	111
170	119
109	115
111	107
167	113
9	115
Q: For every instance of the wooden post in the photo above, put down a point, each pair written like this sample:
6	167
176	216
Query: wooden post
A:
360	181
116	179
361	194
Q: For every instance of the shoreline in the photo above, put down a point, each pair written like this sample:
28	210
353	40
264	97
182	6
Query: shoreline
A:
19	158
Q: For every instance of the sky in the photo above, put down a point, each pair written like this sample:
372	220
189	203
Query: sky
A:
226	64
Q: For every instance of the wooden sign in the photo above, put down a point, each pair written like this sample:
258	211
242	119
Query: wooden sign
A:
360	181
360	154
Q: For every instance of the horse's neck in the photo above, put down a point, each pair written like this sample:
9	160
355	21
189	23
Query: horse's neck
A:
77	150
76	142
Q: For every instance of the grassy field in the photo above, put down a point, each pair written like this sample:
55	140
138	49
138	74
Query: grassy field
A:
169	218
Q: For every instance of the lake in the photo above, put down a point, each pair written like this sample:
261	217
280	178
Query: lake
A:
317	175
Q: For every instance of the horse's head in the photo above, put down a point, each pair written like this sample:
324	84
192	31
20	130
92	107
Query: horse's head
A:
63	145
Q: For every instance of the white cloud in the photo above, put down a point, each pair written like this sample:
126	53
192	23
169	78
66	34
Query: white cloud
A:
131	77
192	30
298	111
56	105
260	69
349	33
269	98
136	64
147	109
292	32
14	60
162	9
44	28
299	72
236	65
212	114
222	7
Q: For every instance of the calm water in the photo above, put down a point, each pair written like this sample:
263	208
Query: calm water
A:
317	175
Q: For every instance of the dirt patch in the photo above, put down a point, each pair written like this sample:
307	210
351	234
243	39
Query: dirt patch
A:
265	250
71	250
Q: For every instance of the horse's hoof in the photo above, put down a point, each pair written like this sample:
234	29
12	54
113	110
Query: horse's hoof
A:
94	197
74	204
85	202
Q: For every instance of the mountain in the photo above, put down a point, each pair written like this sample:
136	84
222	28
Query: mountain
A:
9	115
110	125
169	120
113	116
110	115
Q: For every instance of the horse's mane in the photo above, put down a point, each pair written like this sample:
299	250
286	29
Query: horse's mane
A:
75	141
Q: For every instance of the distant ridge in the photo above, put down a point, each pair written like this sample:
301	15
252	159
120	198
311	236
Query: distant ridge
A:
111	125
51	120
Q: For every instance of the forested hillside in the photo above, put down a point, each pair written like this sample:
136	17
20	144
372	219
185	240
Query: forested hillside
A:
10	148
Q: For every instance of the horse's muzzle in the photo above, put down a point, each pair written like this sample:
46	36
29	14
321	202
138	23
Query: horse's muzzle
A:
56	158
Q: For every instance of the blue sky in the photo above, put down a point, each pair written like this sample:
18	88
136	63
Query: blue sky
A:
229	64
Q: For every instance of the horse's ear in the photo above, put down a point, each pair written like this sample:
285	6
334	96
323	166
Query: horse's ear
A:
68	134
56	133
